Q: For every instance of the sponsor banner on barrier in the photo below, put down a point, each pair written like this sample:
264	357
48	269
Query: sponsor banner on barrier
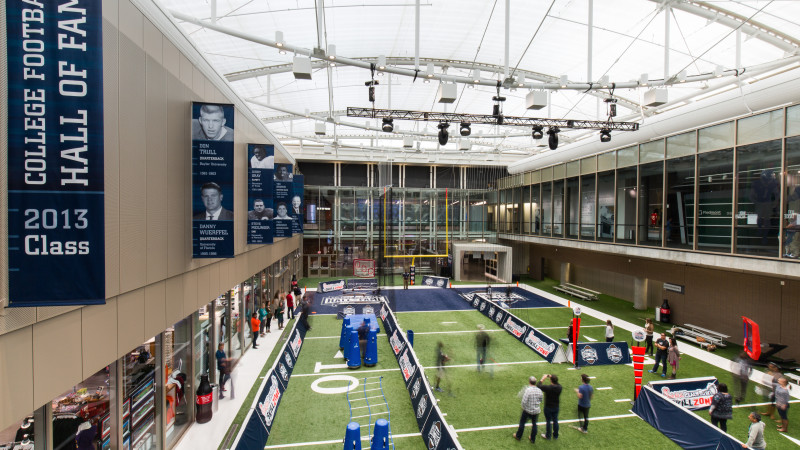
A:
330	286
362	283
537	341
421	399
691	393
397	342
603	353
429	280
436	434
55	172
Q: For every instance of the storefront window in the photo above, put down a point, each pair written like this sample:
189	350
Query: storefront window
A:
758	210
179	383
587	207
679	213
547	209
715	138
526	209
605	206
203	344
572	203
715	202
793	120
139	430
536	209
18	435
761	127
651	151
558	208
681	145
86	405
626	205
791	215
651	211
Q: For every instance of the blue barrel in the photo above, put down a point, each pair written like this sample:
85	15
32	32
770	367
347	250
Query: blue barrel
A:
352	437
353	351
371	357
380	440
410	336
347	332
343	337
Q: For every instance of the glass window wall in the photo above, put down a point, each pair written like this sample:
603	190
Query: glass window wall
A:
558	208
715	138
547	209
793	120
588	201
526	210
536	209
572	204
762	127
88	402
139	393
18	435
605	206
679	213
715	201
681	145
791	214
651	151
758	211
626	205
179	385
651	210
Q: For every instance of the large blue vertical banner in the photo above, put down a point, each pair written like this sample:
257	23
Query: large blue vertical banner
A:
283	200
212	180
261	165
55	153
297	207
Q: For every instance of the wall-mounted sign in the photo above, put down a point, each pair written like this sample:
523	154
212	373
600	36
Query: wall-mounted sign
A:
284	187
674	287
259	193
56	221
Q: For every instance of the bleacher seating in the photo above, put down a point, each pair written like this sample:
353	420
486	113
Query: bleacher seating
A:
577	291
699	335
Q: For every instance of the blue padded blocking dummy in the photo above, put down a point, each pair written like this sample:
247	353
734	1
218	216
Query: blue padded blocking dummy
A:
343	337
352	437
348	331
371	357
380	439
410	336
353	351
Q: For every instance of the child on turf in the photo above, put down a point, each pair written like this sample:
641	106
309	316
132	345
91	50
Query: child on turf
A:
673	357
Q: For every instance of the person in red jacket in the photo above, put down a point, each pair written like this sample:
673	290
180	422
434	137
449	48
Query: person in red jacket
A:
290	304
254	326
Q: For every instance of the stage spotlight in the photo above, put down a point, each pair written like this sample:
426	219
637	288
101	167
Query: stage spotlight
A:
605	135
537	132
443	134
465	129
552	141
388	125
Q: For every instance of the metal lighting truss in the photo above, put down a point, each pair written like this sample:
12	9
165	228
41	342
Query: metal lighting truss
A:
401	114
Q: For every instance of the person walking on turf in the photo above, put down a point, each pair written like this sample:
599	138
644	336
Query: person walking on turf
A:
662	348
721	409
741	374
406	275
441	359
531	401
552	399
609	331
305	311
585	393
481	345
782	398
673	357
755	433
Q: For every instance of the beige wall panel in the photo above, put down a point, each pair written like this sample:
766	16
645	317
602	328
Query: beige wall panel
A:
111	14
179	157
187	73
174	302
130	321
153	41
214	285
198	82
99	334
155	308
16	376
203	284
111	147
227	274
171	57
133	164
157	184
790	318
57	348
190	297
131	23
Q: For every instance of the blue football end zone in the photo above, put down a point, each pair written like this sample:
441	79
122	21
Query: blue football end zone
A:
679	424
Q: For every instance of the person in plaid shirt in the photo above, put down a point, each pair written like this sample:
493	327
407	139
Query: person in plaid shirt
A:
531	401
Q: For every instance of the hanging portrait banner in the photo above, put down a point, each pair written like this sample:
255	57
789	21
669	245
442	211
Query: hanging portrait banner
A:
284	187
297	208
56	220
212	180
260	174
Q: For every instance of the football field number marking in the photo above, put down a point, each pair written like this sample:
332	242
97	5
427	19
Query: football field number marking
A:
352	383
320	367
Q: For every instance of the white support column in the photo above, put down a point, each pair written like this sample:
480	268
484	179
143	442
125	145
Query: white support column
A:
213	7
416	36
508	42
738	48
589	36
320	12
667	12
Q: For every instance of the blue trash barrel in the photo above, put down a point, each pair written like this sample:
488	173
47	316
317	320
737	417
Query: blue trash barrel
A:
380	440
352	437
410	336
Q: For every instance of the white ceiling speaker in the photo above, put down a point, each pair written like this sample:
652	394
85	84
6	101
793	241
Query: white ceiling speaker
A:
408	141
655	97
319	128
536	100
447	93
301	68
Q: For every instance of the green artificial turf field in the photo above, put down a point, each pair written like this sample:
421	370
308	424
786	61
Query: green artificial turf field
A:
483	407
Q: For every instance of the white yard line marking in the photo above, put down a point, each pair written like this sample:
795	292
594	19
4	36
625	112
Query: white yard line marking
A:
337	441
590	339
622	400
455	332
796	441
448	322
351	372
319	366
604	388
486	364
497	427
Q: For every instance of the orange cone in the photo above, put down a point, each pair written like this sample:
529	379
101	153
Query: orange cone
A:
517	283
568	305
